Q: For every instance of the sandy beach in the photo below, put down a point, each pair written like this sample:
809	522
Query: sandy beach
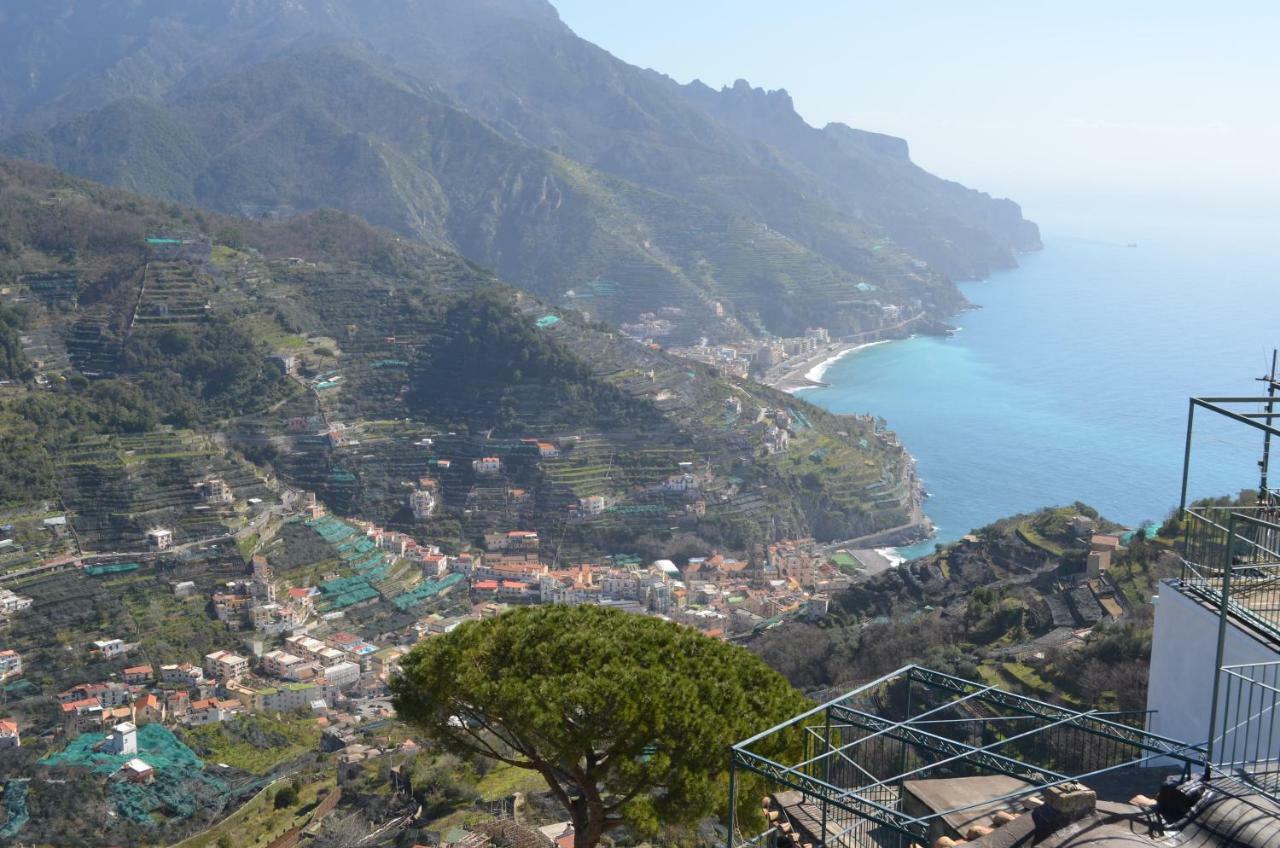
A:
806	372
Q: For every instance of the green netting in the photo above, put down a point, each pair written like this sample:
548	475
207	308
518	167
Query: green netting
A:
425	590
178	788
346	591
15	805
117	568
548	321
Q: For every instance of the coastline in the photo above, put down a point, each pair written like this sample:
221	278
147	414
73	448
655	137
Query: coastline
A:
877	551
807	372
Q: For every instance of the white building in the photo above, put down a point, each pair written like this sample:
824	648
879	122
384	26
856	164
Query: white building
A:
10	664
160	539
225	665
123	741
111	648
487	465
10	601
344	675
423	503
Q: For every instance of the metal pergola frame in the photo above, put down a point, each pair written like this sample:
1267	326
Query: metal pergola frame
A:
920	733
1263	422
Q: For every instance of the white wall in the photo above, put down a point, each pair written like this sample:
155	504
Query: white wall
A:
1182	665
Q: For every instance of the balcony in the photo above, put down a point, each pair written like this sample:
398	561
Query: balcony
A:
1231	560
1246	746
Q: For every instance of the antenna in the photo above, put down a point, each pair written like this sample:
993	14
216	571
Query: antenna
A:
1264	492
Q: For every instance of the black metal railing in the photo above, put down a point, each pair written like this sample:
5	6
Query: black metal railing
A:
1247	746
1236	551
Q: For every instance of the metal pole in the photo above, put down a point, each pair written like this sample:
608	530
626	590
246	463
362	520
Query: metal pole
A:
1263	494
1186	459
826	773
733	794
1223	612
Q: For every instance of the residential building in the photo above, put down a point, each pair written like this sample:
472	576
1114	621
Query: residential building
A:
344	675
423	503
487	465
280	664
11	602
225	665
9	735
160	539
185	674
149	709
212	710
111	648
10	664
138	675
79	716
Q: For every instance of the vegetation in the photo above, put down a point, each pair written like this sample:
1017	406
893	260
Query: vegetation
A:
684	197
255	743
626	717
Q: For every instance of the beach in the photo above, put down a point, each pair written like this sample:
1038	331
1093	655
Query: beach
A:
805	372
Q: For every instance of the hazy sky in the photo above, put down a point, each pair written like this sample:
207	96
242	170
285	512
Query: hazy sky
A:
1061	105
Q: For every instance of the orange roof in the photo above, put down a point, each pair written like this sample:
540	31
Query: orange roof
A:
486	584
8	727
76	706
138	669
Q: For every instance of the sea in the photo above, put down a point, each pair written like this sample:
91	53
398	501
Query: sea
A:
1071	381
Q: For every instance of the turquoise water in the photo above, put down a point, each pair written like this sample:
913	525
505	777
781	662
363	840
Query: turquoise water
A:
1071	382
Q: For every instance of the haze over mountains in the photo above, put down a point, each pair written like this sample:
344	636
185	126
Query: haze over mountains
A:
489	127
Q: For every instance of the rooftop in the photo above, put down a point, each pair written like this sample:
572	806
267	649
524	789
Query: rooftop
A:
854	760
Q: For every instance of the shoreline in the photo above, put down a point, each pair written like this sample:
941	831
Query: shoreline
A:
806	373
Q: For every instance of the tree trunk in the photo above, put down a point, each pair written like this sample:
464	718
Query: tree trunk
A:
589	817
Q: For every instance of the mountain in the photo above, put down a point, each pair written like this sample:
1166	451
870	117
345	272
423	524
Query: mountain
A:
490	127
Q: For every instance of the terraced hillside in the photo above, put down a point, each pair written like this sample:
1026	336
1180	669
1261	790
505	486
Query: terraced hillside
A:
361	367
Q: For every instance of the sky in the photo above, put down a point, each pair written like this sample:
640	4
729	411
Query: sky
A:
1066	107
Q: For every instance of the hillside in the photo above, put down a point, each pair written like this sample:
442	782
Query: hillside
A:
492	128
148	328
1011	604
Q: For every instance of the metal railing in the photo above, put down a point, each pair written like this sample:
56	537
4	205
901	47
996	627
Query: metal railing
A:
1248	746
1235	551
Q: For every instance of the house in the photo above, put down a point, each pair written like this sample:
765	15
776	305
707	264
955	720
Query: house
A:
10	601
487	465
10	664
184	589
82	715
217	492
111	648
592	505
547	450
212	710
149	709
57	525
138	675
9	735
177	704
136	771
1104	542
225	665
423	503
160	539
186	674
